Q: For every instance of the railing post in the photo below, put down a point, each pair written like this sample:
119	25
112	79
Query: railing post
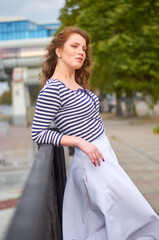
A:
39	212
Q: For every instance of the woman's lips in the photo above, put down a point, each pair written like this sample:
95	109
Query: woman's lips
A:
80	59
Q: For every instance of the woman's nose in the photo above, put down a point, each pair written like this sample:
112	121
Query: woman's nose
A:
81	52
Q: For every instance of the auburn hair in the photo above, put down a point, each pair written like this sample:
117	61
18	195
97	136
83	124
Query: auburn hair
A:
50	58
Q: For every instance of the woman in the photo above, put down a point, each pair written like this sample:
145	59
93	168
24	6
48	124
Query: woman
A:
100	200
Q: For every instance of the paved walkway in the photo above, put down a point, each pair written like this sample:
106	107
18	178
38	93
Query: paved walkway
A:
137	149
16	147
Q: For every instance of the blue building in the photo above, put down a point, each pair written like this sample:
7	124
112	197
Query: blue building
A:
23	43
22	28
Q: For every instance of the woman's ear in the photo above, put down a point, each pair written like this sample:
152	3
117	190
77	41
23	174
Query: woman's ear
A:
58	52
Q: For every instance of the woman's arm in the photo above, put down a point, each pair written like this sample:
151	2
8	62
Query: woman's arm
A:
91	150
48	105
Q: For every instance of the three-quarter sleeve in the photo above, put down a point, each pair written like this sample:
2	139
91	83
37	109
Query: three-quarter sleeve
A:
48	105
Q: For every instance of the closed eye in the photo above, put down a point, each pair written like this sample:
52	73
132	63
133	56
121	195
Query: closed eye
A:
74	46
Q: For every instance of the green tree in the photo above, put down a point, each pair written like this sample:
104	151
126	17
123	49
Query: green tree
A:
125	44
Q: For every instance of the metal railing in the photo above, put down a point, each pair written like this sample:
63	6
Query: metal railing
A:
39	211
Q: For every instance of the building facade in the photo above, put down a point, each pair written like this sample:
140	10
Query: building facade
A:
22	40
21	28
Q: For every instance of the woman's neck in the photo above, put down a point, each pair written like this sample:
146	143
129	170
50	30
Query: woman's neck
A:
64	74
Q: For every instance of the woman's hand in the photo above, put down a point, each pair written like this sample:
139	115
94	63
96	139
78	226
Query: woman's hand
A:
91	150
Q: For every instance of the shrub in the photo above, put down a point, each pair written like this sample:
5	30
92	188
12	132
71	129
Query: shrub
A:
156	129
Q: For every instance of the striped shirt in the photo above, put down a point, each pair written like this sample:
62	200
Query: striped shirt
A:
74	112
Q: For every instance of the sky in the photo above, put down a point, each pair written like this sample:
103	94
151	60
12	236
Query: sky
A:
39	11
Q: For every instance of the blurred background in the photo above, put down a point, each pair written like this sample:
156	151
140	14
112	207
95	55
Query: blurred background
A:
125	76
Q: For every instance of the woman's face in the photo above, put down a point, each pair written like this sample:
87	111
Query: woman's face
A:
73	53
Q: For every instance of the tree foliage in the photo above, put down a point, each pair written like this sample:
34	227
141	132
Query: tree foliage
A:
125	42
6	97
33	92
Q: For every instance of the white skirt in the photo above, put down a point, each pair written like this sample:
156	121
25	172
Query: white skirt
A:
102	203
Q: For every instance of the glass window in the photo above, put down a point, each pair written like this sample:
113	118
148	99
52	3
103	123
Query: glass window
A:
1	27
9	26
26	24
15	35
23	23
30	34
16	26
23	34
6	36
9	35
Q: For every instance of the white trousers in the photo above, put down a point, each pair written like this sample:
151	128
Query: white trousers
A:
102	203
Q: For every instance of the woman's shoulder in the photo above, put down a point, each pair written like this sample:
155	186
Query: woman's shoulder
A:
51	84
51	90
52	81
91	93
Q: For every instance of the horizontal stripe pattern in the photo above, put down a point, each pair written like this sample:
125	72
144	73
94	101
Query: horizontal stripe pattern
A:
74	112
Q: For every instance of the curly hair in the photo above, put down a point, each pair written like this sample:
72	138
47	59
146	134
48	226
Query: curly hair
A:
50	59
